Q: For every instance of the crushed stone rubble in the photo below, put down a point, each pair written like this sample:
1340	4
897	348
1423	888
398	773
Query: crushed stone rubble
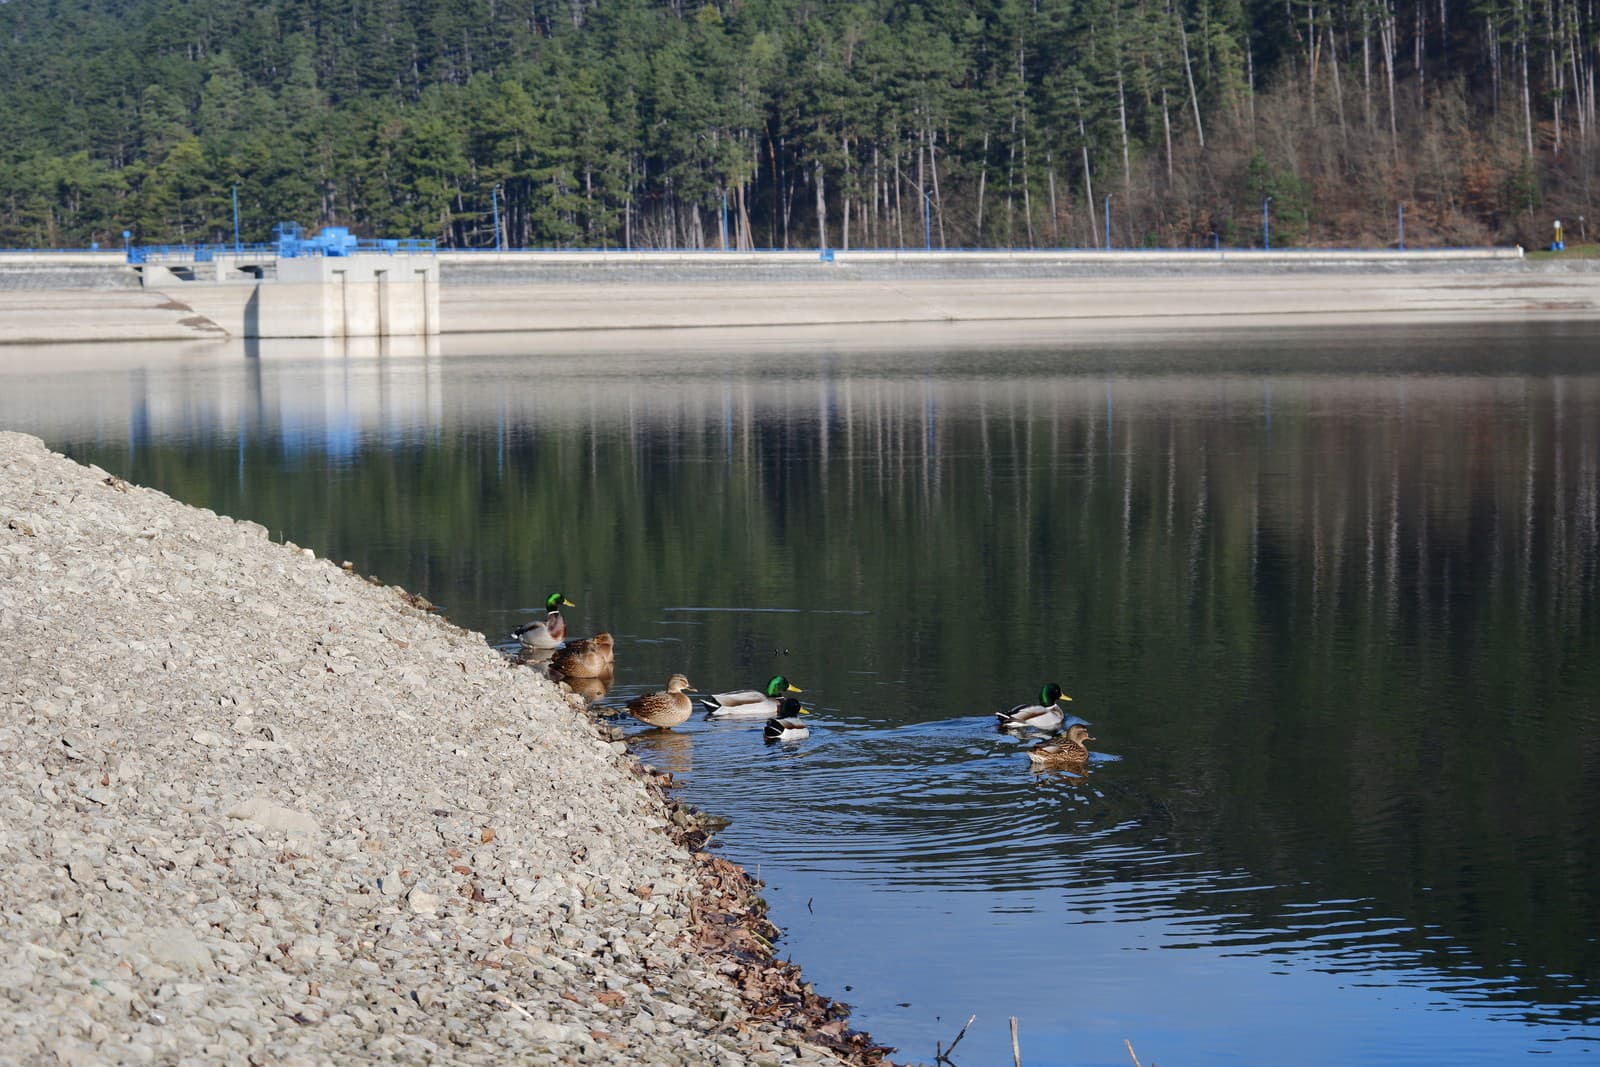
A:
257	809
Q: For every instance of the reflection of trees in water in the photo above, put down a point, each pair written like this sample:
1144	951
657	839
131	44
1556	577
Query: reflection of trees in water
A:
1349	623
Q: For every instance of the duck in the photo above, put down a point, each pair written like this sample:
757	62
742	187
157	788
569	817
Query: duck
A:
1047	715
750	703
1068	750
666	709
588	658
550	631
787	726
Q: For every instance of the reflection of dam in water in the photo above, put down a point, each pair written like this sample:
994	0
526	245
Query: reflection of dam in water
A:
1169	463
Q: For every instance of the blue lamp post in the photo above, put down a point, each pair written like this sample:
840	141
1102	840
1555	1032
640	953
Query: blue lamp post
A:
494	196
126	253
236	219
1108	220
927	220
1266	223
1402	225
1216	242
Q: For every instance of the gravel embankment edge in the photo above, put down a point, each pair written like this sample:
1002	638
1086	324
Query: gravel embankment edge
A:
255	808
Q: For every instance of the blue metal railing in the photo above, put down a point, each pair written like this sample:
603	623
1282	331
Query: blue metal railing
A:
288	242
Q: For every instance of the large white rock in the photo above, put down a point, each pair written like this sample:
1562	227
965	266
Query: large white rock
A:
273	816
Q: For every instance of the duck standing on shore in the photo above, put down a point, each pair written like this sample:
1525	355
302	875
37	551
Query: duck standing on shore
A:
665	709
752	704
1047	715
588	658
788	726
550	631
1068	751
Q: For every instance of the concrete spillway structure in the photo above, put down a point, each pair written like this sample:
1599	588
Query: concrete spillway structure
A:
363	295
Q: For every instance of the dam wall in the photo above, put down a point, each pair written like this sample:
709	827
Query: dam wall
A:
67	298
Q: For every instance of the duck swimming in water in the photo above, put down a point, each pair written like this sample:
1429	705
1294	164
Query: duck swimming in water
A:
788	726
550	631
1066	751
588	658
750	703
665	709
1047	715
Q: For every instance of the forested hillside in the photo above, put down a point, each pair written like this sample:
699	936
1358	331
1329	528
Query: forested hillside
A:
799	123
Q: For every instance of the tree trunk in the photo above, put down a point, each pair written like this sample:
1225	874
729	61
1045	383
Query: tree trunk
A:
1166	129
983	179
1194	97
822	204
1088	182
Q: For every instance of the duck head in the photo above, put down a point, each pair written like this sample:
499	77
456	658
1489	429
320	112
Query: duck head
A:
555	602
780	685
1050	694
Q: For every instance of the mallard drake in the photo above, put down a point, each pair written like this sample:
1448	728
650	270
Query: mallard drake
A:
1047	715
750	703
587	658
665	709
788	726
550	631
1064	750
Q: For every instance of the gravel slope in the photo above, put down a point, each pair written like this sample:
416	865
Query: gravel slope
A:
256	809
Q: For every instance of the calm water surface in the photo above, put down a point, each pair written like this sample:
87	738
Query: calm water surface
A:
1331	604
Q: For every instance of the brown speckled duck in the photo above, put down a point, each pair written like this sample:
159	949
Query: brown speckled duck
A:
588	658
1066	750
667	709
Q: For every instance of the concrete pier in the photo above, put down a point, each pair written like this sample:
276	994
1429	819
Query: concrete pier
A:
308	296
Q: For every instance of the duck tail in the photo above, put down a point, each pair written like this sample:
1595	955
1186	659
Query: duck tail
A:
711	703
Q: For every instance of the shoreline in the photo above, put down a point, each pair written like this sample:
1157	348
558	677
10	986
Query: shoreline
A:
493	293
258	806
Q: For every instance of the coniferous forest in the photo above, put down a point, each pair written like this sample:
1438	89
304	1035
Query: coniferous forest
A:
801	123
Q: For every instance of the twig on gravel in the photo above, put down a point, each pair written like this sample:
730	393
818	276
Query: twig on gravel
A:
1016	1051
1135	1055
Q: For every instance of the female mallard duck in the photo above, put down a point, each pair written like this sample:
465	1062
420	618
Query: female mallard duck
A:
551	630
1047	715
788	726
750	703
588	658
666	709
1064	750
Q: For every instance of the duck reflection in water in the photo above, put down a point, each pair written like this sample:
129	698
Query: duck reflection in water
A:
665	750
590	689
1067	751
533	656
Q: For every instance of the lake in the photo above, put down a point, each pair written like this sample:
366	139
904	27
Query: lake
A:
1329	598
